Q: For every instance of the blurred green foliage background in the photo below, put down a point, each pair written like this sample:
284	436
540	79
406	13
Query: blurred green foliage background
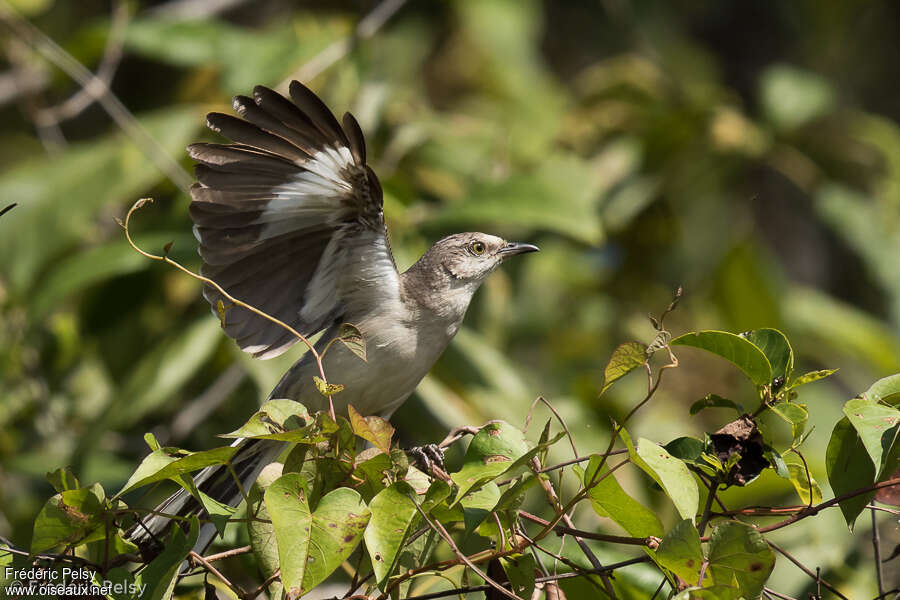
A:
748	151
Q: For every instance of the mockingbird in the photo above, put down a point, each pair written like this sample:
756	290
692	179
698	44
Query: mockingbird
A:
289	219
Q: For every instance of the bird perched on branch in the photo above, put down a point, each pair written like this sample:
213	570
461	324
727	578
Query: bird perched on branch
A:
289	219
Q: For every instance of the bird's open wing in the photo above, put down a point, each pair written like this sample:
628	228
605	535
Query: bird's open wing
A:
289	218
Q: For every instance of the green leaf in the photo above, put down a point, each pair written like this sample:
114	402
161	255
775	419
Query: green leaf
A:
886	390
811	377
394	517
373	429
776	462
151	441
63	479
670	473
680	551
160	575
495	449
733	348
876	425
477	505
372	466
311	545
273	417
327	389
626	358
687	449
519	569
170	463
777	349
804	483
610	500
715	401
849	468
260	530
219	512
738	552
352	338
70	517
795	414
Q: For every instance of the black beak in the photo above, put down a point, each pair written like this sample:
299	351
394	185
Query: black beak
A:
517	248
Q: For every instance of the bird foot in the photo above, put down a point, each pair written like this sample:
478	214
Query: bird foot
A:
427	456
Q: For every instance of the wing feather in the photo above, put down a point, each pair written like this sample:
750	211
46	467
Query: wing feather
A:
289	218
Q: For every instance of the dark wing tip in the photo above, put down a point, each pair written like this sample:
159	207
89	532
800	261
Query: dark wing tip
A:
356	138
318	112
214	121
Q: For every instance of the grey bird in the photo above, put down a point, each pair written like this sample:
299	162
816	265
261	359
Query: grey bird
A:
289	220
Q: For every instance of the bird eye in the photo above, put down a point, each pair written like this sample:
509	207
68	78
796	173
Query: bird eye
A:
476	248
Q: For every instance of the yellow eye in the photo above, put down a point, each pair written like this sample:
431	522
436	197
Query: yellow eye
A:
476	248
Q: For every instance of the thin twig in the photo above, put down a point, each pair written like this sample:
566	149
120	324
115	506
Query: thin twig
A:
649	541
481	588
554	502
808	512
458	433
440	530
87	95
704	520
238	591
815	576
262	587
580	459
229	553
772	592
165	258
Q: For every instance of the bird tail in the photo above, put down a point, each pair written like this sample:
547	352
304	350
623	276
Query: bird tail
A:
218	482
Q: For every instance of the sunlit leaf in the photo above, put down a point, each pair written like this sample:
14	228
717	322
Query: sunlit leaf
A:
312	544
777	349
610	500
373	429
738	552
493	450
169	463
519	569
626	358
733	348
394	517
811	377
680	551
274	417
325	388
795	414
876	425
70	517
352	338
802	480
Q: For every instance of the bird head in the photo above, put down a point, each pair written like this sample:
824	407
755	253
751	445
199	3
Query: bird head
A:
470	257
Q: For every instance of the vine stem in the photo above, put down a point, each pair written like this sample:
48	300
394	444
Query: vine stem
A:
165	258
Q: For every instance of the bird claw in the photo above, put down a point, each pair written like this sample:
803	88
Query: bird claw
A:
427	456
